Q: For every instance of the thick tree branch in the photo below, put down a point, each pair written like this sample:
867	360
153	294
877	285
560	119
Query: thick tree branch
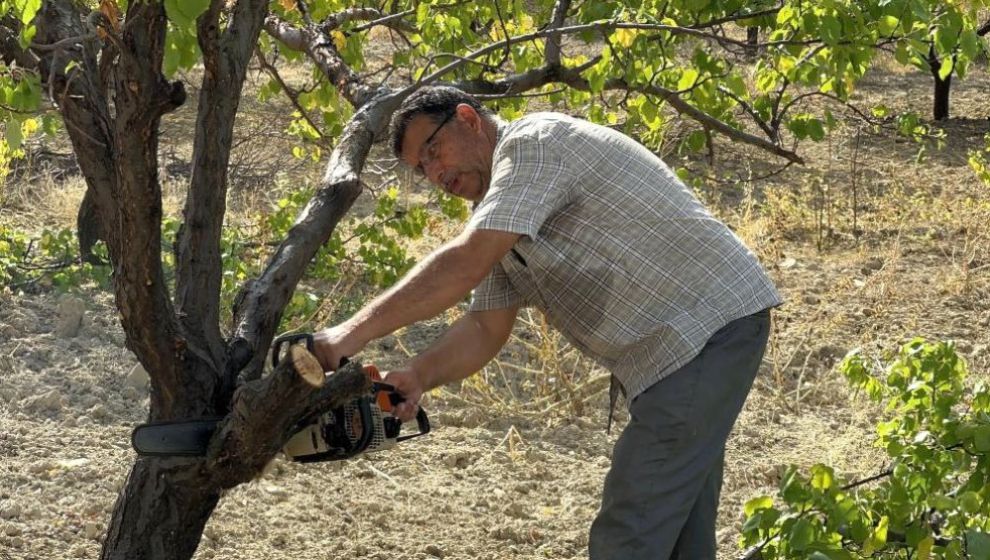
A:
141	97
552	54
226	54
260	304
314	41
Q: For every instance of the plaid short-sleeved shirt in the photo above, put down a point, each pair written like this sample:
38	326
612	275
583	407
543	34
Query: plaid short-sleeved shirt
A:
616	251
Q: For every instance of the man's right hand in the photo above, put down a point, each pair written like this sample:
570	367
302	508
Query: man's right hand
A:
408	384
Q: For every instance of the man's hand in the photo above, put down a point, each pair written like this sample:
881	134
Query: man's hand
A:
408	384
334	344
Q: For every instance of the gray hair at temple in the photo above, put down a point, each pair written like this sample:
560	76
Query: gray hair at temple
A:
436	102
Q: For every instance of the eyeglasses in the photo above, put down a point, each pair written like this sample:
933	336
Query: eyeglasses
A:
430	149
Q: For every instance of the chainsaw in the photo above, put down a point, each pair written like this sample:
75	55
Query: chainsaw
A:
363	425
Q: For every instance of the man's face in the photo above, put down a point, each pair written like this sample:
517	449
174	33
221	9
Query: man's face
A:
452	152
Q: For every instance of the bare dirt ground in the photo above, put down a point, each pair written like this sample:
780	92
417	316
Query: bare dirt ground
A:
507	474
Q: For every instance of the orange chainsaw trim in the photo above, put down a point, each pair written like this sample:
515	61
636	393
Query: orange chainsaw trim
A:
382	397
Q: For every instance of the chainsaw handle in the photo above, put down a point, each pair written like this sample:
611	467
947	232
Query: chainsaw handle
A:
422	422
290	339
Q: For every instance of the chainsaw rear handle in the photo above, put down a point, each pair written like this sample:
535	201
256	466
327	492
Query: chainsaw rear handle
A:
422	422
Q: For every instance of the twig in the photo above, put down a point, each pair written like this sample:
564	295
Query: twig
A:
289	92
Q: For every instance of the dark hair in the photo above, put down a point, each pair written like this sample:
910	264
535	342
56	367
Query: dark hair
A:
436	102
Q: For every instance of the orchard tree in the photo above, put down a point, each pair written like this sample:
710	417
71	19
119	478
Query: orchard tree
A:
105	72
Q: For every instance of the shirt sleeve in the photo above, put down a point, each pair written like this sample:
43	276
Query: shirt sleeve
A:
530	181
495	292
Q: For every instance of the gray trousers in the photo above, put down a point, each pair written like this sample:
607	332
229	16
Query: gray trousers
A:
661	494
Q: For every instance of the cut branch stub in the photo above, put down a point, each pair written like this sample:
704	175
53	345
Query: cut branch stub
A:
266	412
306	365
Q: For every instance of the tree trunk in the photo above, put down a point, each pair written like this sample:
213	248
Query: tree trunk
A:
161	512
166	502
940	108
88	228
752	41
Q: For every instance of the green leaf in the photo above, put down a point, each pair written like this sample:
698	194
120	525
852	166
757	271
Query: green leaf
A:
13	134
688	78
946	68
184	12
970	502
822	477
887	25
785	14
924	550
981	438
969	43
977	545
756	504
27	9
801	535
878	539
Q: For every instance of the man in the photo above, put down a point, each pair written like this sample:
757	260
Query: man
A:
593	229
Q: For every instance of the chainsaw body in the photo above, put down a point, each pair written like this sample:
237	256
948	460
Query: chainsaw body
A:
363	425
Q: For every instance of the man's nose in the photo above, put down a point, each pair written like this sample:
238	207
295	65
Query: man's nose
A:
433	170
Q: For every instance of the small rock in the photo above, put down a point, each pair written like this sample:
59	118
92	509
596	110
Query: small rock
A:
71	311
48	401
789	262
811	299
873	264
70	464
16	542
91	531
434	551
99	411
964	347
387	343
12	530
10	511
137	378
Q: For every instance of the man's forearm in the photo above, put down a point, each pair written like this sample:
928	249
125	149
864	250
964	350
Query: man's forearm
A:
438	282
470	343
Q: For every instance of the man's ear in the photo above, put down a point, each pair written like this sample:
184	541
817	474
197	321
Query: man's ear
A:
467	115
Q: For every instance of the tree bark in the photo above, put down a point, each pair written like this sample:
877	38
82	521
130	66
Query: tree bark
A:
940	108
752	41
161	512
940	99
88	228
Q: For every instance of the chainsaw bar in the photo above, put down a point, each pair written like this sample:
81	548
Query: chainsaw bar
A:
182	437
